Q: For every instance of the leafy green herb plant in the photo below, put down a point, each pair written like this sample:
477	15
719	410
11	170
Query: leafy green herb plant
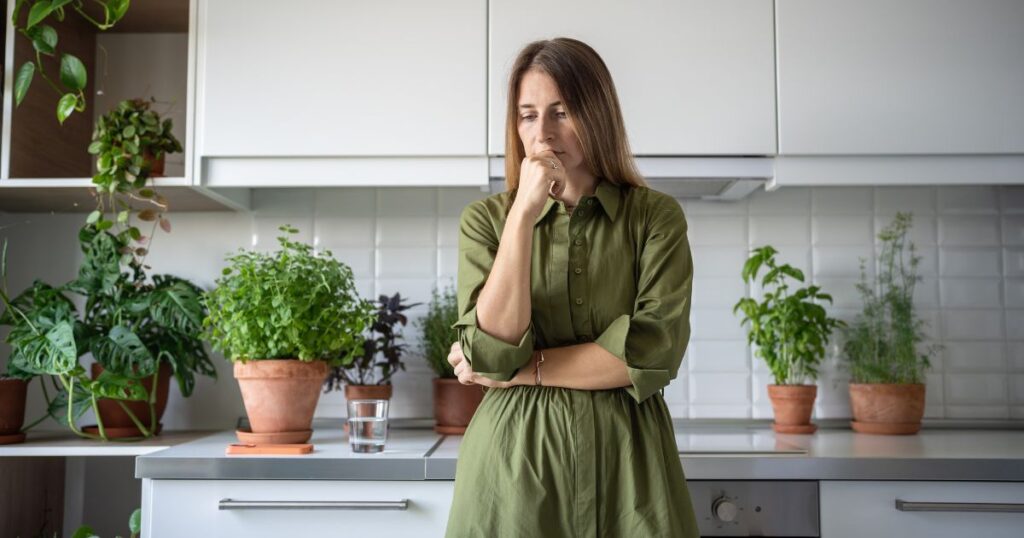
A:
383	343
134	526
290	304
789	329
438	333
44	38
884	344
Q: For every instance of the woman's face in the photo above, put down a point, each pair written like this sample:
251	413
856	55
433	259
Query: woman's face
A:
544	123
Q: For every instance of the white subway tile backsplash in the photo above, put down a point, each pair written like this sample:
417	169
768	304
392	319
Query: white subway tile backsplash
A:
406	202
971	240
961	261
345	232
971	292
972	231
407	262
780	202
974	356
1013	230
972	324
717	292
715	324
843	230
779	230
842	201
716	261
980	389
718	356
916	200
717	231
832	261
1011	199
975	199
407	232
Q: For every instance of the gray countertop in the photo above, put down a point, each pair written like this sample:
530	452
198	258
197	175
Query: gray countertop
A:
721	450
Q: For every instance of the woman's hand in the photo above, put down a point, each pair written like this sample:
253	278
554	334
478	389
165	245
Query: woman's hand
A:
466	374
541	175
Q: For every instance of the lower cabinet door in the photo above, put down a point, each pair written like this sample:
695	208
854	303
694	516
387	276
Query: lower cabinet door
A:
922	508
257	508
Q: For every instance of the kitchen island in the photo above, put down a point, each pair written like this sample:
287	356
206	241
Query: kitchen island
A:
744	479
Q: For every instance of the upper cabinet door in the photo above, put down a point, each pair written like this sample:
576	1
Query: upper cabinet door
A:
694	77
909	77
310	78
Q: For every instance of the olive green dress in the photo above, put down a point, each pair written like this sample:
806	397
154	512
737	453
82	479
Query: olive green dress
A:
541	461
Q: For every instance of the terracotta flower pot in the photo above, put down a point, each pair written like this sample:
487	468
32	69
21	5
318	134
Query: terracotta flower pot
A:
12	410
367	392
793	405
454	405
156	166
888	409
280	395
115	419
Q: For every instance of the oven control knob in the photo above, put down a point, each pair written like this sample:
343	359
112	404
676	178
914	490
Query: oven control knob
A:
723	509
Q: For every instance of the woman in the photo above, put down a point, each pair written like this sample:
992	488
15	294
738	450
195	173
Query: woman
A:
574	298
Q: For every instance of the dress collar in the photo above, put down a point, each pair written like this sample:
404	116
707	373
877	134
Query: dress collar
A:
607	194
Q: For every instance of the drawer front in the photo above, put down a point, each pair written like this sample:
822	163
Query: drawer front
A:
256	508
933	509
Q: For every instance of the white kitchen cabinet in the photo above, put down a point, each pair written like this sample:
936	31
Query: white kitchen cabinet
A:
869	508
694	77
876	77
341	93
273	508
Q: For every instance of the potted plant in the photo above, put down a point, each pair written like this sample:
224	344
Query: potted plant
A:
13	391
141	329
454	403
130	143
790	331
283	319
882	349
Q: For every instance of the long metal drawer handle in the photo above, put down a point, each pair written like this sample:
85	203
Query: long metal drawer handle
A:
232	504
911	506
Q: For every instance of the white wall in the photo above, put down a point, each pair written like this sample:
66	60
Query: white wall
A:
405	239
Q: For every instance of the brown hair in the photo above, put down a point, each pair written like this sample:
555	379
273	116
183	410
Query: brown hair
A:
590	101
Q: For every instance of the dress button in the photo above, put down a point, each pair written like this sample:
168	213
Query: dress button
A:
590	201
582	212
579	242
579	300
578	270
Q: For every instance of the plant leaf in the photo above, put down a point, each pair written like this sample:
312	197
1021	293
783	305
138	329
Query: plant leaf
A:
66	106
23	80
72	72
39	11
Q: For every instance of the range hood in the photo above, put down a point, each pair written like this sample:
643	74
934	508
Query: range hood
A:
706	178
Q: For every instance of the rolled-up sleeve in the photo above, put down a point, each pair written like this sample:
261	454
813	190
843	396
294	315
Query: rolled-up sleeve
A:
653	340
489	356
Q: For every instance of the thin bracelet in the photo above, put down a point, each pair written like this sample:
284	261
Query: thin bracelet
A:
537	368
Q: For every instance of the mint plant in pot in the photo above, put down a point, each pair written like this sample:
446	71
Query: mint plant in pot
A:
454	403
883	349
790	331
284	319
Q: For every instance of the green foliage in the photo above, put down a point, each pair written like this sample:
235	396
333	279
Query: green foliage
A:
289	304
126	141
383	341
438	334
129	324
882	345
789	330
44	39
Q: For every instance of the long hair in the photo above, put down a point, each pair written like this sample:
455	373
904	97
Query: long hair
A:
590	101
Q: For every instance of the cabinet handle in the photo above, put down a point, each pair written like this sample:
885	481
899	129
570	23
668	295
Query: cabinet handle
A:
911	506
233	504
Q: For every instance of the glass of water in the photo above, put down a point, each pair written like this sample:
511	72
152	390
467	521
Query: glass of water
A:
367	425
